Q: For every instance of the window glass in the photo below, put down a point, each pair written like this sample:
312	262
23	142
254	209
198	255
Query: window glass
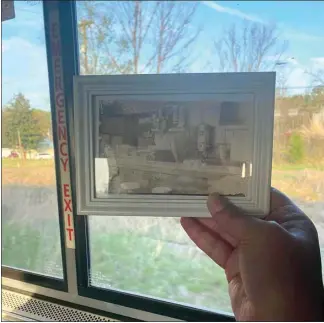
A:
30	226
153	256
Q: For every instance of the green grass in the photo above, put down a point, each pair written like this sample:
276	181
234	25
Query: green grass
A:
148	266
129	262
287	166
142	265
27	248
34	163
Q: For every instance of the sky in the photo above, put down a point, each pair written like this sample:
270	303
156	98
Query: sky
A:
301	23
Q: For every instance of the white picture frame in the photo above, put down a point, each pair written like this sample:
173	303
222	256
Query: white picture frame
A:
258	89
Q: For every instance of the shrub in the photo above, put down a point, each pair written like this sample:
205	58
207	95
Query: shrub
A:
296	148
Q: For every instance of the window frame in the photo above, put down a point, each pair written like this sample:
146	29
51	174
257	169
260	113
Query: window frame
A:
21	274
34	278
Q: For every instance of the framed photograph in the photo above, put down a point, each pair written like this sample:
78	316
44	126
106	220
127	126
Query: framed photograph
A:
158	145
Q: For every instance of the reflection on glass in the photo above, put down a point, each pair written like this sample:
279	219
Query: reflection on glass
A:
30	227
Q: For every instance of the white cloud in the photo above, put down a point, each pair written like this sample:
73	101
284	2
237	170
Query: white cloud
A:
293	34
17	42
4	47
318	61
36	23
24	69
298	79
233	12
298	76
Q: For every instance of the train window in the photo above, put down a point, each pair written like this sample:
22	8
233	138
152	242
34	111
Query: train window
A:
30	222
152	256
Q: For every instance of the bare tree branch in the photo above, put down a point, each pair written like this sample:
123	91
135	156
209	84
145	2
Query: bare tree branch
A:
136	36
135	19
249	47
174	33
317	76
96	31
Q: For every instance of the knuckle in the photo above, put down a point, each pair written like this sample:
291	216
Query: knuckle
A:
272	229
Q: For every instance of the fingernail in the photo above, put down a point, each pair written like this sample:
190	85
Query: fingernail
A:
215	203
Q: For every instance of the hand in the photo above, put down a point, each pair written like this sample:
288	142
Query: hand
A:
273	266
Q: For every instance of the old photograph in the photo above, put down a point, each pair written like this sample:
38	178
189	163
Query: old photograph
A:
173	148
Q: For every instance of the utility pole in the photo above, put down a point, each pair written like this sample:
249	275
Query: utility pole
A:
20	146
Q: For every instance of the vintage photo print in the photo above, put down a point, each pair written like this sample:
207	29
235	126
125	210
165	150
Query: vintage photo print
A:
165	147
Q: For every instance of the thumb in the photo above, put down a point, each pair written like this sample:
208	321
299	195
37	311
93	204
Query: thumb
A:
231	220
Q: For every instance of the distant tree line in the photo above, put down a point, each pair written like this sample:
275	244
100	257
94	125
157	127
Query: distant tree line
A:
24	127
299	127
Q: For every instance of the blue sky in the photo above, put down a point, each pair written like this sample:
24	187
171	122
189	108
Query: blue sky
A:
24	66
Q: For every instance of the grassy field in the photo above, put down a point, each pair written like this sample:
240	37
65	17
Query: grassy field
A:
28	172
304	184
303	181
313	165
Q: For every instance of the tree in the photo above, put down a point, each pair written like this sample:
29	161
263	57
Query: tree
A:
132	37
99	40
20	126
135	20
296	148
282	73
306	104
250	47
173	33
43	122
317	98
317	76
